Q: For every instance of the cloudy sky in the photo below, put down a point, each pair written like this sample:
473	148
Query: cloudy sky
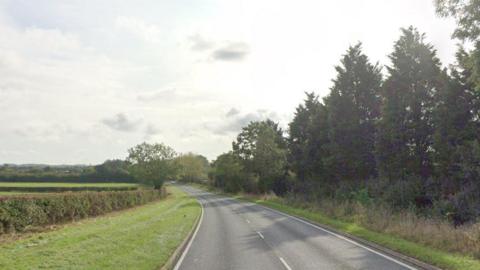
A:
82	81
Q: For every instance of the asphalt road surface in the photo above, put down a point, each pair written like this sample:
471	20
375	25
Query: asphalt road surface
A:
241	235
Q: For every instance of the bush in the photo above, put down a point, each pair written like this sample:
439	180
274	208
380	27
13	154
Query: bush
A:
18	213
461	207
402	194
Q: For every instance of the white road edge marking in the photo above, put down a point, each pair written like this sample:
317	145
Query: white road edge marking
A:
285	263
261	235
334	234
179	262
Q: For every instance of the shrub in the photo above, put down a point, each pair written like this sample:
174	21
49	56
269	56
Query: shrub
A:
18	213
401	194
461	207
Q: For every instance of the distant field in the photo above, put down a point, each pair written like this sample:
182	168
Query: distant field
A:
48	184
7	193
139	238
32	187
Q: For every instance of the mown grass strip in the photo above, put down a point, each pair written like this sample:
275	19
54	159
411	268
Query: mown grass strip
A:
426	254
139	238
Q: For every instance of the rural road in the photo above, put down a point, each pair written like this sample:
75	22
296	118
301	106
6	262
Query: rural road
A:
241	235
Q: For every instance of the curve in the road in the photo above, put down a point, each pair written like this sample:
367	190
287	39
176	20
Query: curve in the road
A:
239	235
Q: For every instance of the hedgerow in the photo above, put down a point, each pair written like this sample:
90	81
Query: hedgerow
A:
18	213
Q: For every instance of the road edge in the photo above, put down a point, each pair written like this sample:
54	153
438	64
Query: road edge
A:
376	247
177	256
360	241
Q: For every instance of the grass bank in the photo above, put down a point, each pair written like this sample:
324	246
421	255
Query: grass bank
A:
138	238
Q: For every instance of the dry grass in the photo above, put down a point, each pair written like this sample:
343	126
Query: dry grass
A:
434	233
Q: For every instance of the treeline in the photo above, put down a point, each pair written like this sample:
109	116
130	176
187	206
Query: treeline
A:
110	171
187	167
406	139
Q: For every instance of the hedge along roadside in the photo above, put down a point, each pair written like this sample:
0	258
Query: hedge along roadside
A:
18	213
65	189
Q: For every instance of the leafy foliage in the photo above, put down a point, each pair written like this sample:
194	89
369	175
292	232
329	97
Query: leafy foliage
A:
152	164
229	173
467	15
192	167
261	149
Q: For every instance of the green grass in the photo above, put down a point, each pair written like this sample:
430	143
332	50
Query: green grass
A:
429	255
48	184
139	238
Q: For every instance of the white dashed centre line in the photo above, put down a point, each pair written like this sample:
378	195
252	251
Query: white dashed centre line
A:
261	235
285	263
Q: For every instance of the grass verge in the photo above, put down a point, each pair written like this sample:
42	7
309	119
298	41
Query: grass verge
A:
138	238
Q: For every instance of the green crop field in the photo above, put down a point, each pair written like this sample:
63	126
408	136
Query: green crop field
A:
36	187
6	193
140	238
48	184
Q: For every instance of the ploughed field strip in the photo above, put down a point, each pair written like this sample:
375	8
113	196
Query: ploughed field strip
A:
140	238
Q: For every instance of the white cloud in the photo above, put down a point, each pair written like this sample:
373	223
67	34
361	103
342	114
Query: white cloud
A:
138	27
67	70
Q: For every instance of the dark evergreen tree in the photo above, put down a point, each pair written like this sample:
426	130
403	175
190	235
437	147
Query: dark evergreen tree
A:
353	108
455	125
308	137
405	132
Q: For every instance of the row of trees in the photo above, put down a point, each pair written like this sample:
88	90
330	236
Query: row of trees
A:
410	139
109	171
151	164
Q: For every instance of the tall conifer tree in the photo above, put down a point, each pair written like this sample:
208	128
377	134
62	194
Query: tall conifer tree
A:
405	132
353	107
